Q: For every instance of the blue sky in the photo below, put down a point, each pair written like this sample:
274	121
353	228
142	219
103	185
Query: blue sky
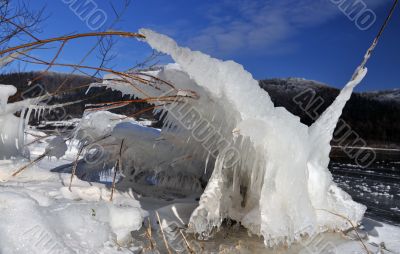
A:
311	39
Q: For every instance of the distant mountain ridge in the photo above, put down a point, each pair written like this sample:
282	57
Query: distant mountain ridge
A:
299	84
387	95
374	116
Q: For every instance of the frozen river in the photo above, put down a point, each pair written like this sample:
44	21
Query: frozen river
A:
377	186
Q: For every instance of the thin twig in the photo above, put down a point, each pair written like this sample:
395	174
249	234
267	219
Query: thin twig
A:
51	63
71	37
124	76
352	225
20	28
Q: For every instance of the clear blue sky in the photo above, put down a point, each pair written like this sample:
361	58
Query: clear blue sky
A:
311	39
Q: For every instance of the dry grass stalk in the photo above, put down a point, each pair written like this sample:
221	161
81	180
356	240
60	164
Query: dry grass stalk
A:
30	164
75	166
163	235
36	140
113	183
149	236
191	251
117	167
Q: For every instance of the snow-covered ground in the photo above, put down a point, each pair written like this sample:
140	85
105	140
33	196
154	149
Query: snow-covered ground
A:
41	215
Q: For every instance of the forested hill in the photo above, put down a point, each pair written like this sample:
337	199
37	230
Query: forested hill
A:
69	88
374	116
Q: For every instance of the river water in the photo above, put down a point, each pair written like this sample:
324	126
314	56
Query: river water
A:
376	186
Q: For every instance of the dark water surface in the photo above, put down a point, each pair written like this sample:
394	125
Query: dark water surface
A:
377	186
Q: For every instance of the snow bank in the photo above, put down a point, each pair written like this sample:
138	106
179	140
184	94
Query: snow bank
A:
40	215
124	220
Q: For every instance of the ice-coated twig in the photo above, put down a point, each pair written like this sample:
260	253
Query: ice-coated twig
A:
376	40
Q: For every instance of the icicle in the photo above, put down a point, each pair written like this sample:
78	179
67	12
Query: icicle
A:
206	164
21	130
28	115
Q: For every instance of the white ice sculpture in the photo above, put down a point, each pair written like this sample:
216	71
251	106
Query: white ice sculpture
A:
277	183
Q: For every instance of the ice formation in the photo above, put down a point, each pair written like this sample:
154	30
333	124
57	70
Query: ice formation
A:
11	128
145	153
268	170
